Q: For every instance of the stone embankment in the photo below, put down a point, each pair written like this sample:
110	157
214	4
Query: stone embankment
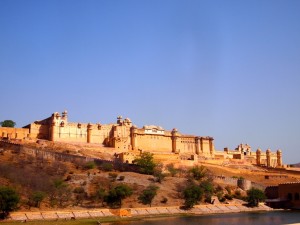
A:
132	212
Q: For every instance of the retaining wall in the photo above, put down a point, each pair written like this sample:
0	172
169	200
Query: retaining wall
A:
147	211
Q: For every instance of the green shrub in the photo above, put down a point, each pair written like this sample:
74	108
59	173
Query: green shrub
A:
107	167
9	201
198	172
146	163
192	195
89	165
164	200
148	194
117	194
172	170
218	189
228	189
113	176
228	196
36	198
78	190
237	193
254	196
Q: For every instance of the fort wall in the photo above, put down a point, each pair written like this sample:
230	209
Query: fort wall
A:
15	133
39	131
49	155
154	143
186	145
124	136
121	135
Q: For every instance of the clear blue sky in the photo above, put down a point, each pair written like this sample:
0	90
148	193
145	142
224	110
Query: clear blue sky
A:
227	69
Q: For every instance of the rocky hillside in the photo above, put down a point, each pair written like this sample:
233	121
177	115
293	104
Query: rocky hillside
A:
47	184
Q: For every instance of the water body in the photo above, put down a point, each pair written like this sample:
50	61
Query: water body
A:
255	218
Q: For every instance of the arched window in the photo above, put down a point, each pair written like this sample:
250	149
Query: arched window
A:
297	197
290	196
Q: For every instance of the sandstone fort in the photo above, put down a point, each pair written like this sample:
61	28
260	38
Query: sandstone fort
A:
129	141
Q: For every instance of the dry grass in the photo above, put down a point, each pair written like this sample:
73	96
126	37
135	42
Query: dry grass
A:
93	179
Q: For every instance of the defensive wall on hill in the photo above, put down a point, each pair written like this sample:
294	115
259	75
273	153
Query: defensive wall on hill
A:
48	155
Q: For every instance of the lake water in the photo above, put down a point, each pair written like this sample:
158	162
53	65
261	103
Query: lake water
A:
255	218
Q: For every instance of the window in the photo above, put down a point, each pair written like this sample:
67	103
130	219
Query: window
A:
290	196
297	197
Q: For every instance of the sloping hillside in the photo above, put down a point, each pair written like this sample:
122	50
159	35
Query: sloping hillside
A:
77	184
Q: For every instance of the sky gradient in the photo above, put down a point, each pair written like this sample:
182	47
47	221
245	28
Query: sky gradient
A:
226	69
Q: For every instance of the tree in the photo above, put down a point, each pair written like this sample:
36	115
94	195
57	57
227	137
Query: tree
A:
158	173
117	194
36	198
100	195
60	193
192	195
255	196
207	188
198	172
7	123
146	163
9	200
172	170
80	195
148	194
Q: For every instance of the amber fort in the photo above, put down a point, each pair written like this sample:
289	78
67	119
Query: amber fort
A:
129	141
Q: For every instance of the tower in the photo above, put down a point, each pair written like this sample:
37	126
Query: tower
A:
89	133
133	130
119	120
268	153
174	140
197	140
258	157
211	146
54	126
279	158
64	116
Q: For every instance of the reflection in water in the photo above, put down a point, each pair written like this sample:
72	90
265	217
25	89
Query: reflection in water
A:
263	218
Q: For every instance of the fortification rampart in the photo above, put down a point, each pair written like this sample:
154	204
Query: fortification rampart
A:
16	133
240	182
49	155
124	137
